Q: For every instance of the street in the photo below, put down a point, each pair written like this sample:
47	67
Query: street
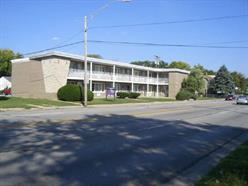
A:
148	144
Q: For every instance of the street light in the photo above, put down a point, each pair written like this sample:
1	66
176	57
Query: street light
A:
86	45
157	60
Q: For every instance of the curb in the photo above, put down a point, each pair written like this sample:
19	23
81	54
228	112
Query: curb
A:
190	176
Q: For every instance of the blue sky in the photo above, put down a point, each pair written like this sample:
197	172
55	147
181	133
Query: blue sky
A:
30	25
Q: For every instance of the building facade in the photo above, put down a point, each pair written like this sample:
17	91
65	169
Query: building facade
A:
40	76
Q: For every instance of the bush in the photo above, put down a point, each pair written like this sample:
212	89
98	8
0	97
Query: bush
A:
133	95
69	93
122	95
73	93
185	95
90	95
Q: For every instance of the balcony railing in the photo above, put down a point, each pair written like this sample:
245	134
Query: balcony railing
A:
102	75
123	77
141	79
79	73
152	80
163	80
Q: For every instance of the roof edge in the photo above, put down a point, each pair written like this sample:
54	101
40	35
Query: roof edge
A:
104	61
21	60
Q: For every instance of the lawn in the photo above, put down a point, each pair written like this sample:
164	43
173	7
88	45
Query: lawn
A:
99	101
231	171
14	102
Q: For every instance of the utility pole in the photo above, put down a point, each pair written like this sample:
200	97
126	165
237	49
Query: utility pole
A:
86	47
85	60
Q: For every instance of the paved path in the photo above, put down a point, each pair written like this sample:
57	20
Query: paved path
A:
152	144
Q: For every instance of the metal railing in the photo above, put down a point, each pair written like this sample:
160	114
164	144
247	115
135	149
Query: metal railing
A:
79	73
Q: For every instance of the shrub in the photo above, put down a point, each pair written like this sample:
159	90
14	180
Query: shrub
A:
122	95
185	95
133	95
69	93
73	93
90	95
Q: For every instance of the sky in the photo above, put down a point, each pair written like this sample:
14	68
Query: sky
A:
31	25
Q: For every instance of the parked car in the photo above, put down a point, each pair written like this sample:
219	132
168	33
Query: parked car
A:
242	100
230	98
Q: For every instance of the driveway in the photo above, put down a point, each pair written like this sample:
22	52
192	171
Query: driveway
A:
150	144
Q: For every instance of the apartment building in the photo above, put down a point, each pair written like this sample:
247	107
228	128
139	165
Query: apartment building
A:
41	75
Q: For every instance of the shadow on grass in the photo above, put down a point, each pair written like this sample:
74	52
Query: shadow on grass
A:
3	98
104	150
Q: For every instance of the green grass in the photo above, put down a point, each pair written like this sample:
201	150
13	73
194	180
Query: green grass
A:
99	101
15	102
231	171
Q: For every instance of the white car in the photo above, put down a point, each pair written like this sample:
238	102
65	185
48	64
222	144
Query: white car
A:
242	100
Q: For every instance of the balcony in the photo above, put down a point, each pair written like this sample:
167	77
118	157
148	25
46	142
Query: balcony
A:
123	77
102	75
76	73
152	80
79	73
163	80
98	75
140	79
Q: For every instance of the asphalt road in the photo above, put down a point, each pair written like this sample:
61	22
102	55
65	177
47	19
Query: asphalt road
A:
151	144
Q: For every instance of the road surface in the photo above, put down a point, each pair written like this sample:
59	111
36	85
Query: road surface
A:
150	144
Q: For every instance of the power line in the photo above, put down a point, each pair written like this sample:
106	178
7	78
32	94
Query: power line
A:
170	22
139	44
70	38
167	45
53	48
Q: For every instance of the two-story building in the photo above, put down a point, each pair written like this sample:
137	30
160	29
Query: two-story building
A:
41	76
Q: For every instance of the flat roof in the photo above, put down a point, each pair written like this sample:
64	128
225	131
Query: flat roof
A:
95	60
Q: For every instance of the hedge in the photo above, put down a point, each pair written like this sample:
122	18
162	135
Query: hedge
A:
73	93
133	95
185	95
122	95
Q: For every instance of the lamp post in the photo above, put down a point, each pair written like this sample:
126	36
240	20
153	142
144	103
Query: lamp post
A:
157	60
86	46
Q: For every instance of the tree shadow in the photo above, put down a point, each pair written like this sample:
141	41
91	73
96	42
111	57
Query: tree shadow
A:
104	150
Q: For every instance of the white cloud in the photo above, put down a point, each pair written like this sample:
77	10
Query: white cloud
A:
55	38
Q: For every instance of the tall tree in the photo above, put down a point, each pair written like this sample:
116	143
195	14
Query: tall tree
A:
195	82
6	56
223	83
148	63
204	70
180	65
240	82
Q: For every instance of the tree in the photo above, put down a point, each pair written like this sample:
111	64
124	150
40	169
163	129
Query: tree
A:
223	83
180	65
204	70
240	82
6	56
98	56
195	82
148	63
246	90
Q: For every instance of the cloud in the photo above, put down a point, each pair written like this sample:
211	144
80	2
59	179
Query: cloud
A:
55	38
